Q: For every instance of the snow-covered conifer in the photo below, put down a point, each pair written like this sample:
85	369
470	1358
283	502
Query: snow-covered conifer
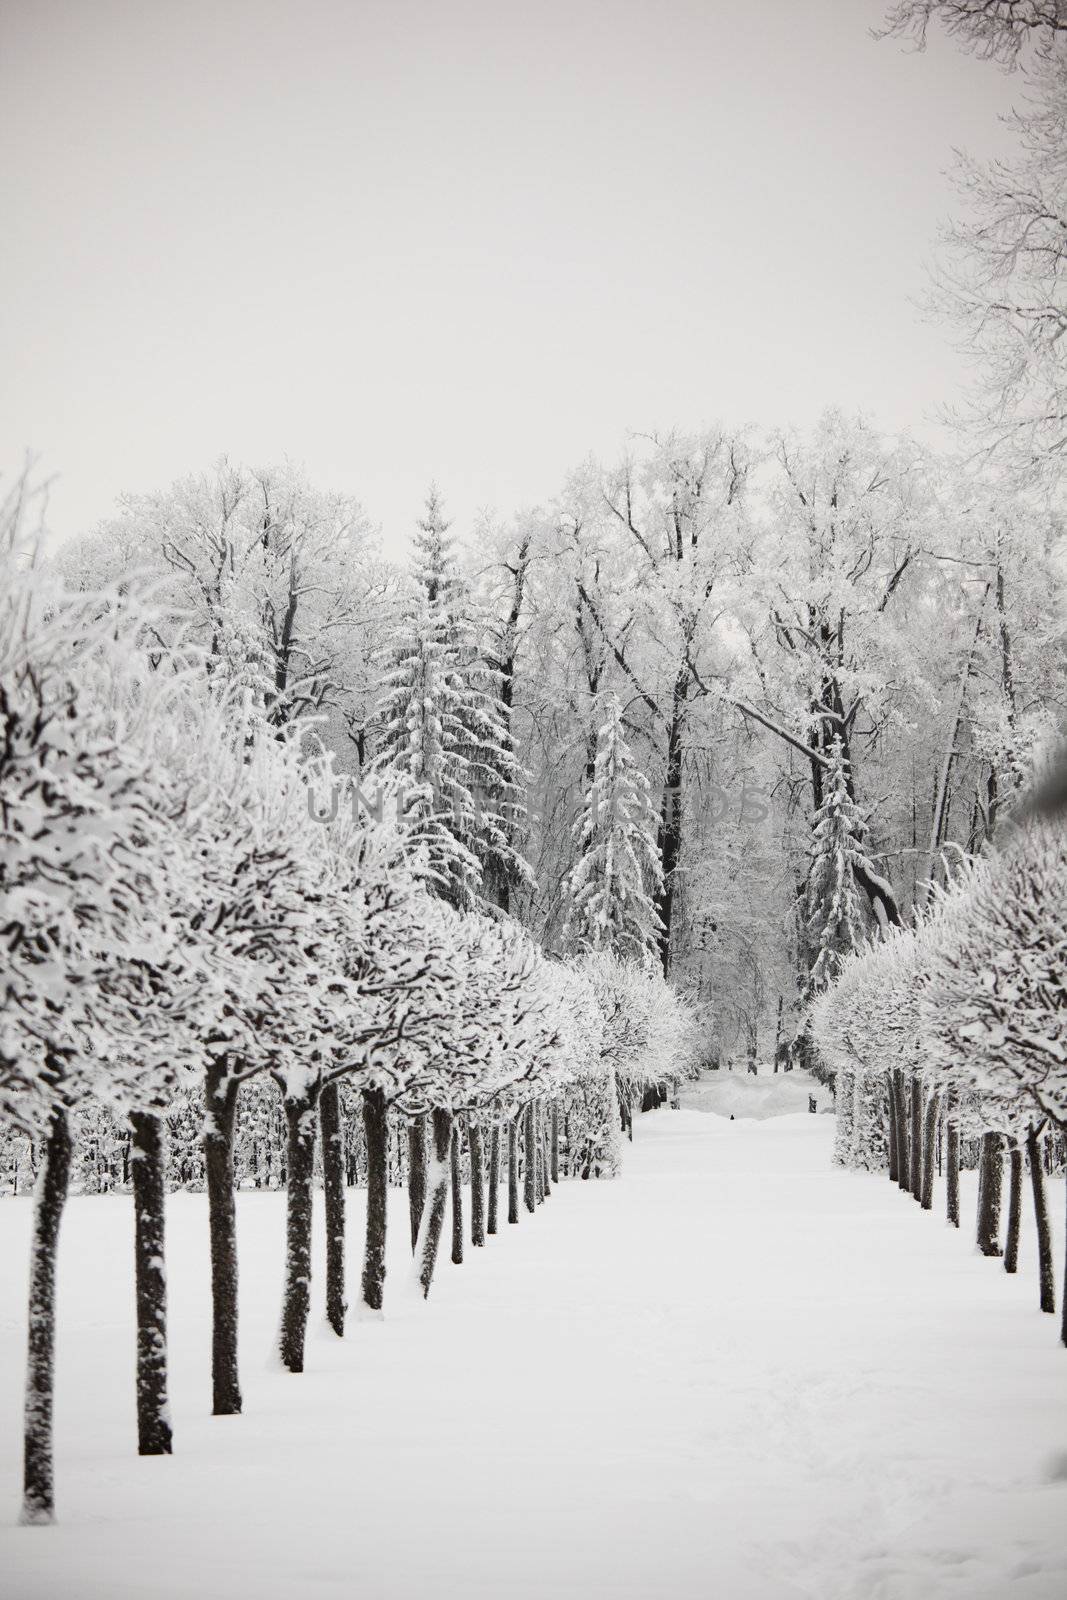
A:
612	889
834	910
440	732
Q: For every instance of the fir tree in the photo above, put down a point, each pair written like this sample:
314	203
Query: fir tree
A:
835	918
611	890
441	731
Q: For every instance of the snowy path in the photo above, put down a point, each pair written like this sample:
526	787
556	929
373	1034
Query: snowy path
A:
734	1373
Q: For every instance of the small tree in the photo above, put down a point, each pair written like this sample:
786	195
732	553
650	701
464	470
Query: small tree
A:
84	894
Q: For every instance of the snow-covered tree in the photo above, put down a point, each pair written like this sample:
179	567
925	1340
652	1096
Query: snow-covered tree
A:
641	1018
965	1010
95	971
863	1028
612	889
279	585
834	911
489	1054
440	733
994	996
655	544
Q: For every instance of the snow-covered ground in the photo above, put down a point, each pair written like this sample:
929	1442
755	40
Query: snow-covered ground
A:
765	1093
735	1372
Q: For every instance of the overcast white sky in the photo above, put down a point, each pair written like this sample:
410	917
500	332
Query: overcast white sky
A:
463	239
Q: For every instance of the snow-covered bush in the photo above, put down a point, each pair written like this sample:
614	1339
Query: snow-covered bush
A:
589	1098
863	1027
993	1002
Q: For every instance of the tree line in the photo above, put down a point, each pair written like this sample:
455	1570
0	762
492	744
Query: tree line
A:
176	922
697	624
949	1037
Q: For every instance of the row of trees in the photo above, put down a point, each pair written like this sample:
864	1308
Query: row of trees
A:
955	1030
101	1161
183	912
644	693
763	625
946	1035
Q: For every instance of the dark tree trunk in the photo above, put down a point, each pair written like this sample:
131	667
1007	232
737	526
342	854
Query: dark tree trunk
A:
1046	1275
539	1155
416	1175
894	1136
916	1172
513	1167
220	1109
149	1167
300	1117
990	1182
475	1145
333	1184
1015	1208
38	1485
376	1133
456	1163
500	880
669	842
903	1152
436	1198
544	1150
952	1174
929	1150
494	1176
555	1141
529	1156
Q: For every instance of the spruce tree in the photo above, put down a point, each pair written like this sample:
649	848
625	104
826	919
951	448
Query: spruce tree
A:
834	912
612	888
441	734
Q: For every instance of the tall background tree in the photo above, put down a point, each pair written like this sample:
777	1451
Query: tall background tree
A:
1002	276
612	888
441	730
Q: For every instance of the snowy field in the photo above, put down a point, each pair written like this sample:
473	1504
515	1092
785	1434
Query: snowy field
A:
735	1372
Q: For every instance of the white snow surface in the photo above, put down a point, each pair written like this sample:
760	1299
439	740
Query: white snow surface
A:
765	1093
735	1372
